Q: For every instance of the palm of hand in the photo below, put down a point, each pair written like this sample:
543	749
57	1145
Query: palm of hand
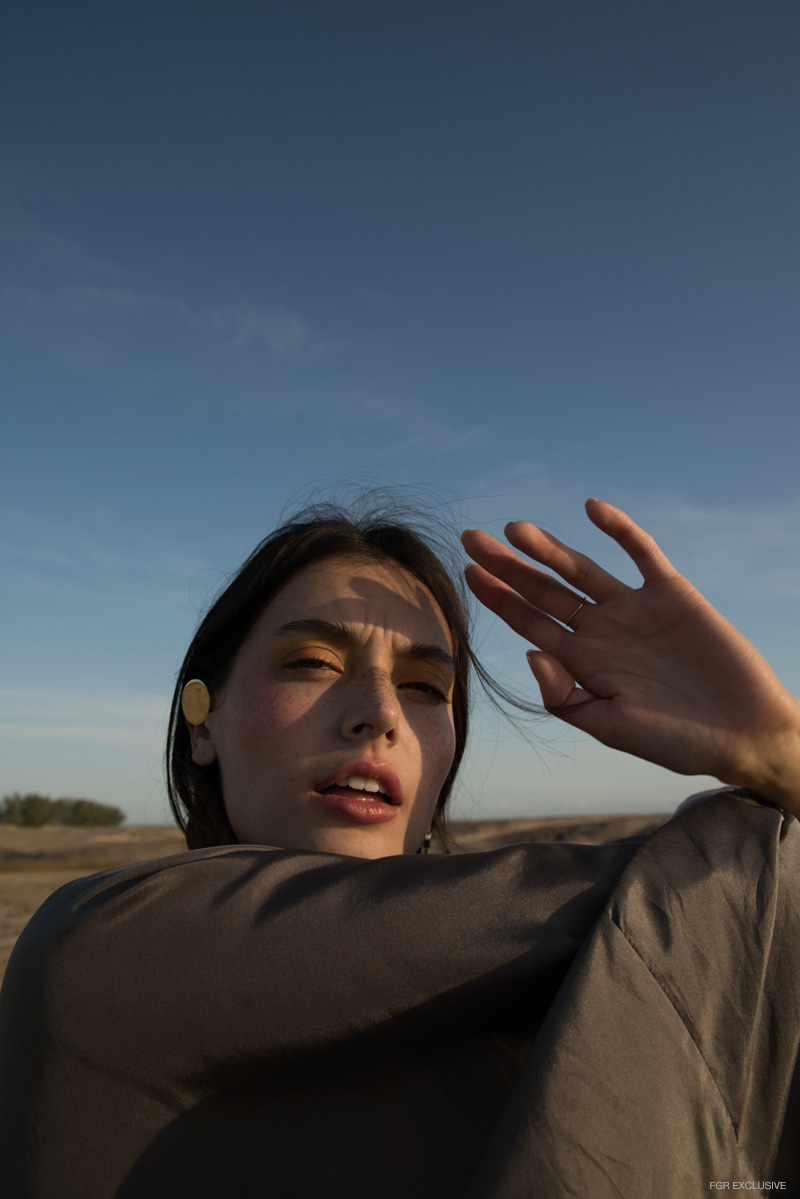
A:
653	671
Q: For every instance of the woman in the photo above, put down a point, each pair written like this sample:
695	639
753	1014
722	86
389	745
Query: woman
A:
341	1016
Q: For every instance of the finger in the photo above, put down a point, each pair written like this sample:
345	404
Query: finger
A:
580	571
558	688
640	547
519	615
539	588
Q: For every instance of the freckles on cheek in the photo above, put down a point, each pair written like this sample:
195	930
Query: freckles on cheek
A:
438	749
449	751
268	710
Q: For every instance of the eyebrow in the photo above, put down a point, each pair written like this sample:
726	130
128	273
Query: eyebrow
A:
345	634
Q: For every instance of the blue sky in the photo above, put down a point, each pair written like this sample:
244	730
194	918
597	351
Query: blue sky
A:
516	254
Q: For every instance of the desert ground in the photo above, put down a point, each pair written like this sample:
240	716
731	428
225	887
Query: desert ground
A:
35	862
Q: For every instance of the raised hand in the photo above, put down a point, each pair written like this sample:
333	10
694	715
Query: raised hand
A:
655	670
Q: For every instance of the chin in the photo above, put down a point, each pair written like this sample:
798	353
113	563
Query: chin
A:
355	843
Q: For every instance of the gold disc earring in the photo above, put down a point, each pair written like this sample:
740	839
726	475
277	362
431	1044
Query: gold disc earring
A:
195	701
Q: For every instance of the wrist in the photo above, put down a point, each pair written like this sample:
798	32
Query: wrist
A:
775	777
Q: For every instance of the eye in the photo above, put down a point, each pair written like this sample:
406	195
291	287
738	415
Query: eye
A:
312	663
430	689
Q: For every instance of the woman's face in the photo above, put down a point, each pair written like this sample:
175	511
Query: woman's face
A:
334	729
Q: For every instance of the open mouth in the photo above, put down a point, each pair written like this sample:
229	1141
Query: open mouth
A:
347	790
364	792
363	781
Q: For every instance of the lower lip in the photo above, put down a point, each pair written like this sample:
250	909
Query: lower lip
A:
365	811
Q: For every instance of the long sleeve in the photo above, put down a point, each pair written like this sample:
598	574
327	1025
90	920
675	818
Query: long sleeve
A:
138	998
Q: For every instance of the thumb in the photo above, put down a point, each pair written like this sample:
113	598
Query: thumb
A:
560	693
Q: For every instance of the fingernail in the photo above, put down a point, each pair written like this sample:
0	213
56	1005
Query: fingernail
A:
464	533
592	500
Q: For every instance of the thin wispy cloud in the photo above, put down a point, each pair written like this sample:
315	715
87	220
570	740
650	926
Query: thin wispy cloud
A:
431	438
739	531
749	547
756	549
69	568
54	541
96	718
52	251
57	269
281	331
87	296
374	297
278	330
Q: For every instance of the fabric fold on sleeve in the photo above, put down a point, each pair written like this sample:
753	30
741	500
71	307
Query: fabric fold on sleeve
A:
666	1060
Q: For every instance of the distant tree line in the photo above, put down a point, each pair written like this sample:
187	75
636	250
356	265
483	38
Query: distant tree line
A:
34	810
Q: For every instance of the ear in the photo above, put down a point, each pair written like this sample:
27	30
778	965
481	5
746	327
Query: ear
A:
202	742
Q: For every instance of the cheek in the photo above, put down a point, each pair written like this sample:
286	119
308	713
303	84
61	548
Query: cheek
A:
438	748
451	748
264	716
274	706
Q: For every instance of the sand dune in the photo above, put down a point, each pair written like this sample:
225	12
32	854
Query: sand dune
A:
34	862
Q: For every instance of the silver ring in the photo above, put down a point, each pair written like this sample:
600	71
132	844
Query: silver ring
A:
582	604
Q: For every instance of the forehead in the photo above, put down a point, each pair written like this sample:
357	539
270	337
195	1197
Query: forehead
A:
360	592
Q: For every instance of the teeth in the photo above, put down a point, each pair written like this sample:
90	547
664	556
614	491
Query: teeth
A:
361	784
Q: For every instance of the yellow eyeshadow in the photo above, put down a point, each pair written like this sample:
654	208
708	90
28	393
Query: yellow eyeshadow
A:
425	672
283	649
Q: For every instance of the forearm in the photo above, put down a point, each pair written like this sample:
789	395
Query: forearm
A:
213	962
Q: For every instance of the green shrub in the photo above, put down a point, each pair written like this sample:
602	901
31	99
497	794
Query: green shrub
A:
86	811
32	811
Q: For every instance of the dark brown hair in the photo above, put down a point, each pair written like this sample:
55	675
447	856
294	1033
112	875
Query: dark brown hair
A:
322	531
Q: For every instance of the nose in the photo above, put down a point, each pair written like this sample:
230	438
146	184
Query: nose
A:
372	710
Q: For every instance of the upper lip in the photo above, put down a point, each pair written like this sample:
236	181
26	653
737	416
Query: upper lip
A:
366	769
